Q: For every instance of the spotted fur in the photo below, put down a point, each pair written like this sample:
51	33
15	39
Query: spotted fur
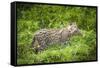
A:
45	37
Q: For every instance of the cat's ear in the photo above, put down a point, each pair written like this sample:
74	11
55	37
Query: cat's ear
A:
72	23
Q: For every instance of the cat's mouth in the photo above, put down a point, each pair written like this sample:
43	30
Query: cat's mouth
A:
80	33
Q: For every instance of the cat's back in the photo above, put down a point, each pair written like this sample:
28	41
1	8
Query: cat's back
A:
46	31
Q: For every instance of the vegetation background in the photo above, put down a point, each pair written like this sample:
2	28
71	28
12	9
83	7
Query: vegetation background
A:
33	17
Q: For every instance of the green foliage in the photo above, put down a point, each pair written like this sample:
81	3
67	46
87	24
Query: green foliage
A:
32	17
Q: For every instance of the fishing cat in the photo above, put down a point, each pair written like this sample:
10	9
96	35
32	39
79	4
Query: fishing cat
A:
45	37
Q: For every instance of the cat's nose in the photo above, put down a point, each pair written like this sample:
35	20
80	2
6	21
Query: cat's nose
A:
79	32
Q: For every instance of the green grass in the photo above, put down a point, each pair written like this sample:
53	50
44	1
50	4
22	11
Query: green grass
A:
76	50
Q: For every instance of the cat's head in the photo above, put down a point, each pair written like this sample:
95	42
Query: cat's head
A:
73	28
